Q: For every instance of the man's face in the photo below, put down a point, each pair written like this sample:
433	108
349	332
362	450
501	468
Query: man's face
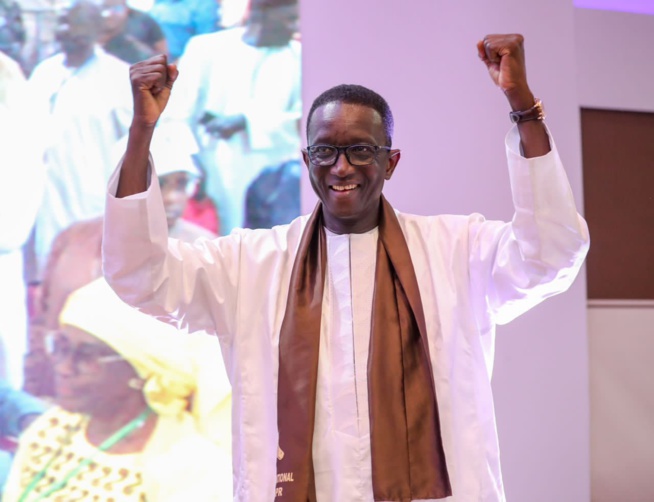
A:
175	189
350	194
271	26
78	29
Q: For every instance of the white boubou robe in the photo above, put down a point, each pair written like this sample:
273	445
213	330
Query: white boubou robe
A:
472	274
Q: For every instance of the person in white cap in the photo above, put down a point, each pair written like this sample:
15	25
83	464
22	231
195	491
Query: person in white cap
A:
178	178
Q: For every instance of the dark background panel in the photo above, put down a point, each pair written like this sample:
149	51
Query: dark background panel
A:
618	167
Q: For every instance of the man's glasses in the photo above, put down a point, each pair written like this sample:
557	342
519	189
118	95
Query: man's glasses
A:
357	155
87	358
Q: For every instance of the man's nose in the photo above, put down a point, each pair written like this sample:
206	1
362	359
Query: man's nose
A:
172	196
342	167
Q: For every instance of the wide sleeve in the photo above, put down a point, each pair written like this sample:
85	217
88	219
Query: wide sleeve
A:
516	265
191	285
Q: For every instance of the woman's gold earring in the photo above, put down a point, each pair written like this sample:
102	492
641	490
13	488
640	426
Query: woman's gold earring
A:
136	383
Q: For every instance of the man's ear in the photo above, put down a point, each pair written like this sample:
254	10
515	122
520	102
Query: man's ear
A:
305	156
393	159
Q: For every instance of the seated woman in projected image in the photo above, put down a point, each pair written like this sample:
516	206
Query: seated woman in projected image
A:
142	413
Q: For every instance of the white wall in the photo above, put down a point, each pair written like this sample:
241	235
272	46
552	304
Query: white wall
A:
615	67
450	124
622	400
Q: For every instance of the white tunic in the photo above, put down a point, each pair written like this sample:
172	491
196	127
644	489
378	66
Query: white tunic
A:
342	428
472	274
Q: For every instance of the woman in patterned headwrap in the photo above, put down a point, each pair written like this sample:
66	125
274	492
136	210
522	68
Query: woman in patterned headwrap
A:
142	413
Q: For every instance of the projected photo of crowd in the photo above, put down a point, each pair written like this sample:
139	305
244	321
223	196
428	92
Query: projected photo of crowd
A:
99	401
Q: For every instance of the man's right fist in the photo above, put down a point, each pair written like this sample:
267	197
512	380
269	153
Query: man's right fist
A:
152	81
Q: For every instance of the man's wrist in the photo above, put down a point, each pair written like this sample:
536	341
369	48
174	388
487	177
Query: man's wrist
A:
520	100
535	112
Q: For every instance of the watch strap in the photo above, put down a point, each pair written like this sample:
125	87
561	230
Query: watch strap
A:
536	112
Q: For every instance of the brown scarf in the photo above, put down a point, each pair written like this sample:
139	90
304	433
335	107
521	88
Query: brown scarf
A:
408	461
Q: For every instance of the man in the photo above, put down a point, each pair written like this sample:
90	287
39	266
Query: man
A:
81	130
130	34
240	93
358	339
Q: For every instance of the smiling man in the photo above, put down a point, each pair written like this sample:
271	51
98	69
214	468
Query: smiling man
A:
357	338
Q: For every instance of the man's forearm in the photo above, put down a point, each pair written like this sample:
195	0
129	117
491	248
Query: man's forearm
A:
134	170
533	135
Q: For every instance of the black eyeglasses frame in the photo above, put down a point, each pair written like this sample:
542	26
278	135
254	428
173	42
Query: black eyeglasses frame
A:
344	150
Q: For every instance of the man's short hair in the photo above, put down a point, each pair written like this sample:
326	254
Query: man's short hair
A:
353	94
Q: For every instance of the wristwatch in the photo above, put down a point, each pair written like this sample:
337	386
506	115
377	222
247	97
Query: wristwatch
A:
536	112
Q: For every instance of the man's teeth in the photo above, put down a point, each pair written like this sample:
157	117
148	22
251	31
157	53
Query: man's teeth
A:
343	188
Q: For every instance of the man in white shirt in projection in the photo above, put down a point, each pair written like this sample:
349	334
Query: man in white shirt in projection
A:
80	130
358	339
239	90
